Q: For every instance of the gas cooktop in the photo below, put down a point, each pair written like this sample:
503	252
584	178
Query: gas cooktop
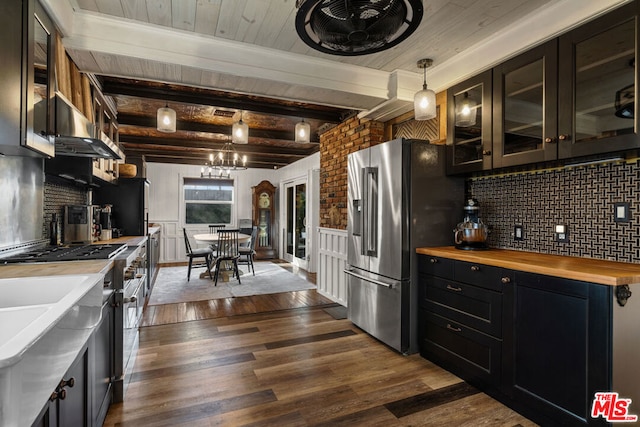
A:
67	253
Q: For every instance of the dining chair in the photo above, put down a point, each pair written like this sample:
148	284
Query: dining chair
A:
206	253
227	252
213	229
247	253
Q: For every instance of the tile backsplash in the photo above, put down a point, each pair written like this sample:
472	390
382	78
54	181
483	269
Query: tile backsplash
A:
582	198
56	197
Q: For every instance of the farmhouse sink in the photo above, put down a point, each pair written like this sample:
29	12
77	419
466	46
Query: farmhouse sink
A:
45	321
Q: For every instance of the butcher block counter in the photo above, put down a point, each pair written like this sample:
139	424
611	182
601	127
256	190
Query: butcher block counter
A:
127	240
541	333
584	269
8	271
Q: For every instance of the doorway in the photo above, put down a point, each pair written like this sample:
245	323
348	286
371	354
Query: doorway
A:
295	232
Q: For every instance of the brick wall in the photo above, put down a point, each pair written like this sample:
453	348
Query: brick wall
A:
351	135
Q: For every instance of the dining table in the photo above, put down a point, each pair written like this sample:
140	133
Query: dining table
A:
212	239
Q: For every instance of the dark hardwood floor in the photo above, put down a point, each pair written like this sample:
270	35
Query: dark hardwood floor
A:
288	360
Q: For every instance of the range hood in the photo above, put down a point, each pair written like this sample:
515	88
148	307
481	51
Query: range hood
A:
76	136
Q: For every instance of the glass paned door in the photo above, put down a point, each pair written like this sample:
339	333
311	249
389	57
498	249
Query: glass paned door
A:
296	223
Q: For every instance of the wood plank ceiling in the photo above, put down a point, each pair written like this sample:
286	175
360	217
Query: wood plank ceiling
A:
215	61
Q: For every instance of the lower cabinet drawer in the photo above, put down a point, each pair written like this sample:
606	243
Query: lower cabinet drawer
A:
473	306
468	353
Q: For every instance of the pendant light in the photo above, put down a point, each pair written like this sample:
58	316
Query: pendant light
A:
240	132
303	131
166	119
466	112
424	101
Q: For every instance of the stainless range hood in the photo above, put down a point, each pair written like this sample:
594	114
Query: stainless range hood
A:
76	136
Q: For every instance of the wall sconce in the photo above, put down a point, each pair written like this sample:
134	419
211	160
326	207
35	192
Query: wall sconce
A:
424	101
303	132
240	132
466	112
166	119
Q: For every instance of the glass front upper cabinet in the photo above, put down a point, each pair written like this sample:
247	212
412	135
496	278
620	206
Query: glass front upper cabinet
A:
525	108
599	58
469	124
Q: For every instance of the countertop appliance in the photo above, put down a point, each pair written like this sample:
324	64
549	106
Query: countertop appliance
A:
81	223
399	198
471	233
130	204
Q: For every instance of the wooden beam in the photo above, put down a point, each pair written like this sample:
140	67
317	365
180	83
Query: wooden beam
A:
150	122
175	93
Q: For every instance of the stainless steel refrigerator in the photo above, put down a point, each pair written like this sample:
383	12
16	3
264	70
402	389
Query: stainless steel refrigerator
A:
399	198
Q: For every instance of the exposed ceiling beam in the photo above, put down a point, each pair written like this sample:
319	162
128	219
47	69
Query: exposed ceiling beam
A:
174	93
150	122
152	143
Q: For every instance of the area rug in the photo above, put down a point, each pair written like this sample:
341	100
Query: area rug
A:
171	285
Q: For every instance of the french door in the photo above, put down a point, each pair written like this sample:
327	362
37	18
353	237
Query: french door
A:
295	231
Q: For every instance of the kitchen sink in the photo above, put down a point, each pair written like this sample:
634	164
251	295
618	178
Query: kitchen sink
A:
36	290
46	321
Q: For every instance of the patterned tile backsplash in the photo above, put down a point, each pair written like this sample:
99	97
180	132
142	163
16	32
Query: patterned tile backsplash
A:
56	197
582	198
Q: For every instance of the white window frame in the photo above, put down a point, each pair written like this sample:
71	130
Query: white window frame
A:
185	201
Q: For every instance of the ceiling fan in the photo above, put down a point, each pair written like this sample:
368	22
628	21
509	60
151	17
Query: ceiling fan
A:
356	27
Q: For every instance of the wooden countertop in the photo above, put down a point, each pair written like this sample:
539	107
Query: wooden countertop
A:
8	271
584	269
128	240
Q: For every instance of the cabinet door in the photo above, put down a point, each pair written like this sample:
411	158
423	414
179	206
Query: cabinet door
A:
598	72
469	125
525	108
102	351
73	410
561	341
38	108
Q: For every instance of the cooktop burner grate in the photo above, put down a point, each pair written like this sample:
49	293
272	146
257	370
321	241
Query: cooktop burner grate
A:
67	253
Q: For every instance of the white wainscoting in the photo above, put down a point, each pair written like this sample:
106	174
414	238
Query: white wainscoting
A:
332	254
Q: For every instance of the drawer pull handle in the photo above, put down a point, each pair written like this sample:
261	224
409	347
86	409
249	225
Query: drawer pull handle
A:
452	328
475	268
433	261
451	288
506	280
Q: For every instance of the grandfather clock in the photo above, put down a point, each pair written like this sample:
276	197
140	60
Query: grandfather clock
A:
263	217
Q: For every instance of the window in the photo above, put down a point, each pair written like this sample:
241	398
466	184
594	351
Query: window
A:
208	201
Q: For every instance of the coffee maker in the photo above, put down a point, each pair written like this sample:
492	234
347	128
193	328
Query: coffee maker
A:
105	223
471	233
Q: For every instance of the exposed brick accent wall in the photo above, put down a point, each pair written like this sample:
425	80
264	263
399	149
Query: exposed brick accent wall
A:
351	135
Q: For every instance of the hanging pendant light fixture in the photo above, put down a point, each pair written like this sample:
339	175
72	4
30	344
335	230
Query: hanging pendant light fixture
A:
424	101
466	112
240	132
303	132
166	119
223	162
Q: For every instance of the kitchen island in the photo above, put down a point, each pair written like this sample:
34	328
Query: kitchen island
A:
541	333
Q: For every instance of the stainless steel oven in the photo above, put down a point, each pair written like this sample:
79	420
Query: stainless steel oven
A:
130	276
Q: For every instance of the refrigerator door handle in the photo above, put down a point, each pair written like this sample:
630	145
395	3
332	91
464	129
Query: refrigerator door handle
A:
368	279
371	224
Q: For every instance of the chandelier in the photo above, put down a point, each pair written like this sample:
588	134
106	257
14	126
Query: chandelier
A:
223	162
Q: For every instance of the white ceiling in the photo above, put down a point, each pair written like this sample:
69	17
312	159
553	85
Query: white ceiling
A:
251	46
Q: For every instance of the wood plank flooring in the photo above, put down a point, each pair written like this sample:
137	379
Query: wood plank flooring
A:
280	366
